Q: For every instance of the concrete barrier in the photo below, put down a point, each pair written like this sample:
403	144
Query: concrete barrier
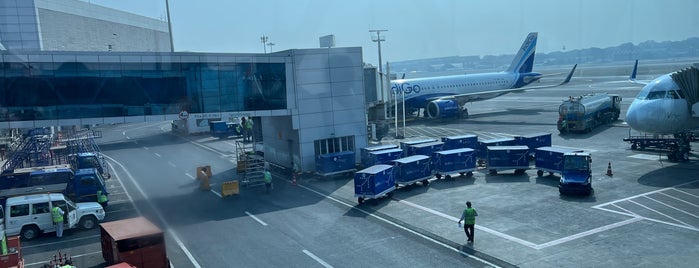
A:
230	188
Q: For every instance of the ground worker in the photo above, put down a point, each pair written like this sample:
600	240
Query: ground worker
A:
268	180
57	216
469	215
102	199
4	244
248	128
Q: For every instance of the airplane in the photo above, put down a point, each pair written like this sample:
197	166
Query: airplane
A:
446	96
667	105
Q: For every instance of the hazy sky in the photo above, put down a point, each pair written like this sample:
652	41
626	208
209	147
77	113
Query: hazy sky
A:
419	29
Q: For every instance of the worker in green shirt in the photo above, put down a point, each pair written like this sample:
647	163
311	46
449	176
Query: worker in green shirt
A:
469	215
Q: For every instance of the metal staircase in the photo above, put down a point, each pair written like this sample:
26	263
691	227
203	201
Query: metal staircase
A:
252	165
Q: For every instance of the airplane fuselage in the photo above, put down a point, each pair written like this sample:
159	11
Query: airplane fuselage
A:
660	108
417	92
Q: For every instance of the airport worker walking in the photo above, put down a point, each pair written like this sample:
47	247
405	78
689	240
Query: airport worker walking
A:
243	122
469	215
57	216
268	180
248	128
102	198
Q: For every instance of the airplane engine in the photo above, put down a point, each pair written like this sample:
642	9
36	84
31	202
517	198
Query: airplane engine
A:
443	108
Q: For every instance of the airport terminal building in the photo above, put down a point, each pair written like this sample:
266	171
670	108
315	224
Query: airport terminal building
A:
308	102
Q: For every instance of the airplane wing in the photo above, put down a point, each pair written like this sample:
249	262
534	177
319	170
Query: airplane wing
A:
484	95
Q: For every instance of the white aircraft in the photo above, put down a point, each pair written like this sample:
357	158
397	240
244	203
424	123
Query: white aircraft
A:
668	104
446	96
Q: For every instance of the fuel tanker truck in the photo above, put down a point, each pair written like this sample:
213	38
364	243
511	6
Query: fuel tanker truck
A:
583	113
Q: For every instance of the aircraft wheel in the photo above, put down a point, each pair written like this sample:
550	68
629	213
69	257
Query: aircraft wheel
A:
448	177
360	200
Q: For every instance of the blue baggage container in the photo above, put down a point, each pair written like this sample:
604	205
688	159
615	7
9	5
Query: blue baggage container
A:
550	159
223	129
364	152
412	169
507	157
457	142
334	163
374	182
404	144
454	161
382	157
534	141
482	150
424	148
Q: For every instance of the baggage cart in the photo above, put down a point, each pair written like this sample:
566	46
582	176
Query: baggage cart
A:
424	148
462	161
507	157
550	159
482	150
534	141
382	157
335	163
458	142
412	169
136	241
374	182
404	144
364	152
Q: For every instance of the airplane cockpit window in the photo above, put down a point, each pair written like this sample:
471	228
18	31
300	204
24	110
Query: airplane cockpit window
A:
672	95
654	95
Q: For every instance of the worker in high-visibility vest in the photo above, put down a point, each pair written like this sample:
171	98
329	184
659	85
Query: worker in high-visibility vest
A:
469	215
4	244
57	216
248	128
102	198
268	180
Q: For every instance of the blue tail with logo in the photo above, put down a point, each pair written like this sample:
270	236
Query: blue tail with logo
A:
524	60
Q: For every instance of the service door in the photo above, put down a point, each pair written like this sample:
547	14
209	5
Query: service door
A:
19	214
41	214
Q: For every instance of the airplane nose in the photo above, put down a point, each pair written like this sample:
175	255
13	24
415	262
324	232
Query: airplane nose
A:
632	118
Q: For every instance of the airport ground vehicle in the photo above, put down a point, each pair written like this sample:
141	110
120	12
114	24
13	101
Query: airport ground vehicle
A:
676	146
82	185
29	211
374	182
412	169
462	161
583	113
507	157
136	241
576	175
223	129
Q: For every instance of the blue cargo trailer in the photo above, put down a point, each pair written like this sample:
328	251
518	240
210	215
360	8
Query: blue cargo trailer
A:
364	152
534	141
462	161
382	157
412	169
424	148
374	182
223	129
482	150
458	142
405	144
335	163
550	159
507	157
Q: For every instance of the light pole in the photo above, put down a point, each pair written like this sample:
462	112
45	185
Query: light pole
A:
378	39
270	44
264	39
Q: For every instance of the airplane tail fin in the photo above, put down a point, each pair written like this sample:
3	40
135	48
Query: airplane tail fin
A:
632	77
524	60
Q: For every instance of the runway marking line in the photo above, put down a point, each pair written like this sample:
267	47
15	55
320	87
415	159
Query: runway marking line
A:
256	218
667	205
319	260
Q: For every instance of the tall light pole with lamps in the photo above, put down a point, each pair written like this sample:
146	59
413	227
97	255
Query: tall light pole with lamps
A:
270	44
264	39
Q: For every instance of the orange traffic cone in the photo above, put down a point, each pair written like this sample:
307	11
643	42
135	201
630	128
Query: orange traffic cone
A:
609	169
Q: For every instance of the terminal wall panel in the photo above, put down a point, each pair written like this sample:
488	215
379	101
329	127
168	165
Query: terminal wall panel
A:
349	117
346	74
313	91
114	120
346	59
314	76
316	120
350	88
316	61
315	105
349	102
316	133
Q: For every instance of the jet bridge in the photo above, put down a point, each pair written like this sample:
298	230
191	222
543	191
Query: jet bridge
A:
688	81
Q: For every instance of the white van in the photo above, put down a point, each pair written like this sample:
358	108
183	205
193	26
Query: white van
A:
30	215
